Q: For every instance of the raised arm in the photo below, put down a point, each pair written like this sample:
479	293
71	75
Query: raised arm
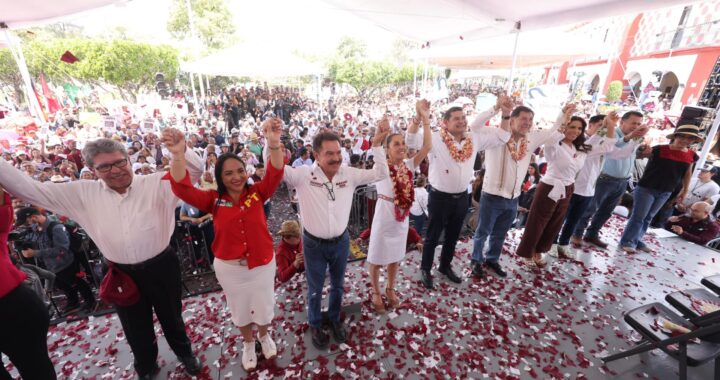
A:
483	117
174	141
380	169
423	108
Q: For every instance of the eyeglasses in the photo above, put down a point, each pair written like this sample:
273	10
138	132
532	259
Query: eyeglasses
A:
331	193
104	168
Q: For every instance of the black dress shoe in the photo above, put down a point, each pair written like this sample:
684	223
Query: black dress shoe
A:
320	338
151	375
192	365
478	272
448	272
498	269
426	279
338	331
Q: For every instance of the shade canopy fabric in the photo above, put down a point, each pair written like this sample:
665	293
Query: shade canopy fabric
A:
262	60
25	13
497	52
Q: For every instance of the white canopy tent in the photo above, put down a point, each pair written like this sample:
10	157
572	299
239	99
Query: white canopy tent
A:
253	60
18	14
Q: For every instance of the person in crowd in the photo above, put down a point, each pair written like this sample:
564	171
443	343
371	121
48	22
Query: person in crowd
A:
52	242
244	261
395	197
303	159
702	188
24	320
698	226
669	166
532	178
117	212
566	152
451	167
611	184
289	254
586	178
418	210
506	167
325	194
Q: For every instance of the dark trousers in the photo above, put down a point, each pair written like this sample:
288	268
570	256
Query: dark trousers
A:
419	223
68	281
576	209
544	222
447	213
158	280
24	324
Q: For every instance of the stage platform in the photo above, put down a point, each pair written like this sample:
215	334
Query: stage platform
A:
546	324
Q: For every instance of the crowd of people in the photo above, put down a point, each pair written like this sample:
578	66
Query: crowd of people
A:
222	164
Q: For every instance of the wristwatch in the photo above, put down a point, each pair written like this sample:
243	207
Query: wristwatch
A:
506	117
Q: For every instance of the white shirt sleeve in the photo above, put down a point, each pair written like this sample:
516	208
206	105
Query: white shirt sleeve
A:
481	119
602	146
489	137
412	140
61	198
623	152
293	176
378	172
195	165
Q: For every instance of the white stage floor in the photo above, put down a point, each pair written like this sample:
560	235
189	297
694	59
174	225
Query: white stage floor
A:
548	324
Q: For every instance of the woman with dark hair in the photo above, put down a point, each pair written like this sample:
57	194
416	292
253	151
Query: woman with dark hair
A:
530	182
565	152
244	260
396	194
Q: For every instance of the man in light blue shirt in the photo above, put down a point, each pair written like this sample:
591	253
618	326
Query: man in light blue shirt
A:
304	159
611	184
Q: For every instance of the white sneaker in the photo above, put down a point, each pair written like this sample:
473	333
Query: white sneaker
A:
554	252
249	358
269	349
564	252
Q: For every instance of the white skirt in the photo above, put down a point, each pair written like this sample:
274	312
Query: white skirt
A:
250	293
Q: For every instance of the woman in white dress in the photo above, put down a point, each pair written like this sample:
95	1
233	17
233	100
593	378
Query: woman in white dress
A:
388	235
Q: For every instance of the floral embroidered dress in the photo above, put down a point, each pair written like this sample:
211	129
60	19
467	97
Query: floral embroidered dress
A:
388	236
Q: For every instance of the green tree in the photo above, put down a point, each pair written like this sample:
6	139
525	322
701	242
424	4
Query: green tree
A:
213	22
614	91
9	73
130	66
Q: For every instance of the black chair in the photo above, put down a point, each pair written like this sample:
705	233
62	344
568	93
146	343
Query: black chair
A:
683	302
712	283
684	348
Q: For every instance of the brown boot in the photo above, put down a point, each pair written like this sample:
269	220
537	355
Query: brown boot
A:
595	241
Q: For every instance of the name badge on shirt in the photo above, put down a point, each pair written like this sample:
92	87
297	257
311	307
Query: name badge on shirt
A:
224	203
342	184
316	184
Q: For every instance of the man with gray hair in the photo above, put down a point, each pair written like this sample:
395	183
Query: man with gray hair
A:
131	219
698	226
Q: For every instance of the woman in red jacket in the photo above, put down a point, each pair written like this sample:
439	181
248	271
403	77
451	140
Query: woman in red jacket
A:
244	261
24	319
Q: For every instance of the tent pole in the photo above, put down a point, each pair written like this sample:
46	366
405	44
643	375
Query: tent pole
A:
207	82
195	99
708	141
202	88
319	89
16	51
514	56
414	78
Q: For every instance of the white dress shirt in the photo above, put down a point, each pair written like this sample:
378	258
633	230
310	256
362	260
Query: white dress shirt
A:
420	205
321	216
564	162
128	228
503	175
588	175
447	175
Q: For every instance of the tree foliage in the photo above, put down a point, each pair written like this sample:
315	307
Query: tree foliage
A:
212	18
131	66
614	91
351	66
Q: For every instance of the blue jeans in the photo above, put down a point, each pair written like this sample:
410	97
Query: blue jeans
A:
608	192
496	217
319	257
646	203
576	209
419	222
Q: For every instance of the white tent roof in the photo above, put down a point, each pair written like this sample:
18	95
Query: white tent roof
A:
443	22
253	60
497	52
23	13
